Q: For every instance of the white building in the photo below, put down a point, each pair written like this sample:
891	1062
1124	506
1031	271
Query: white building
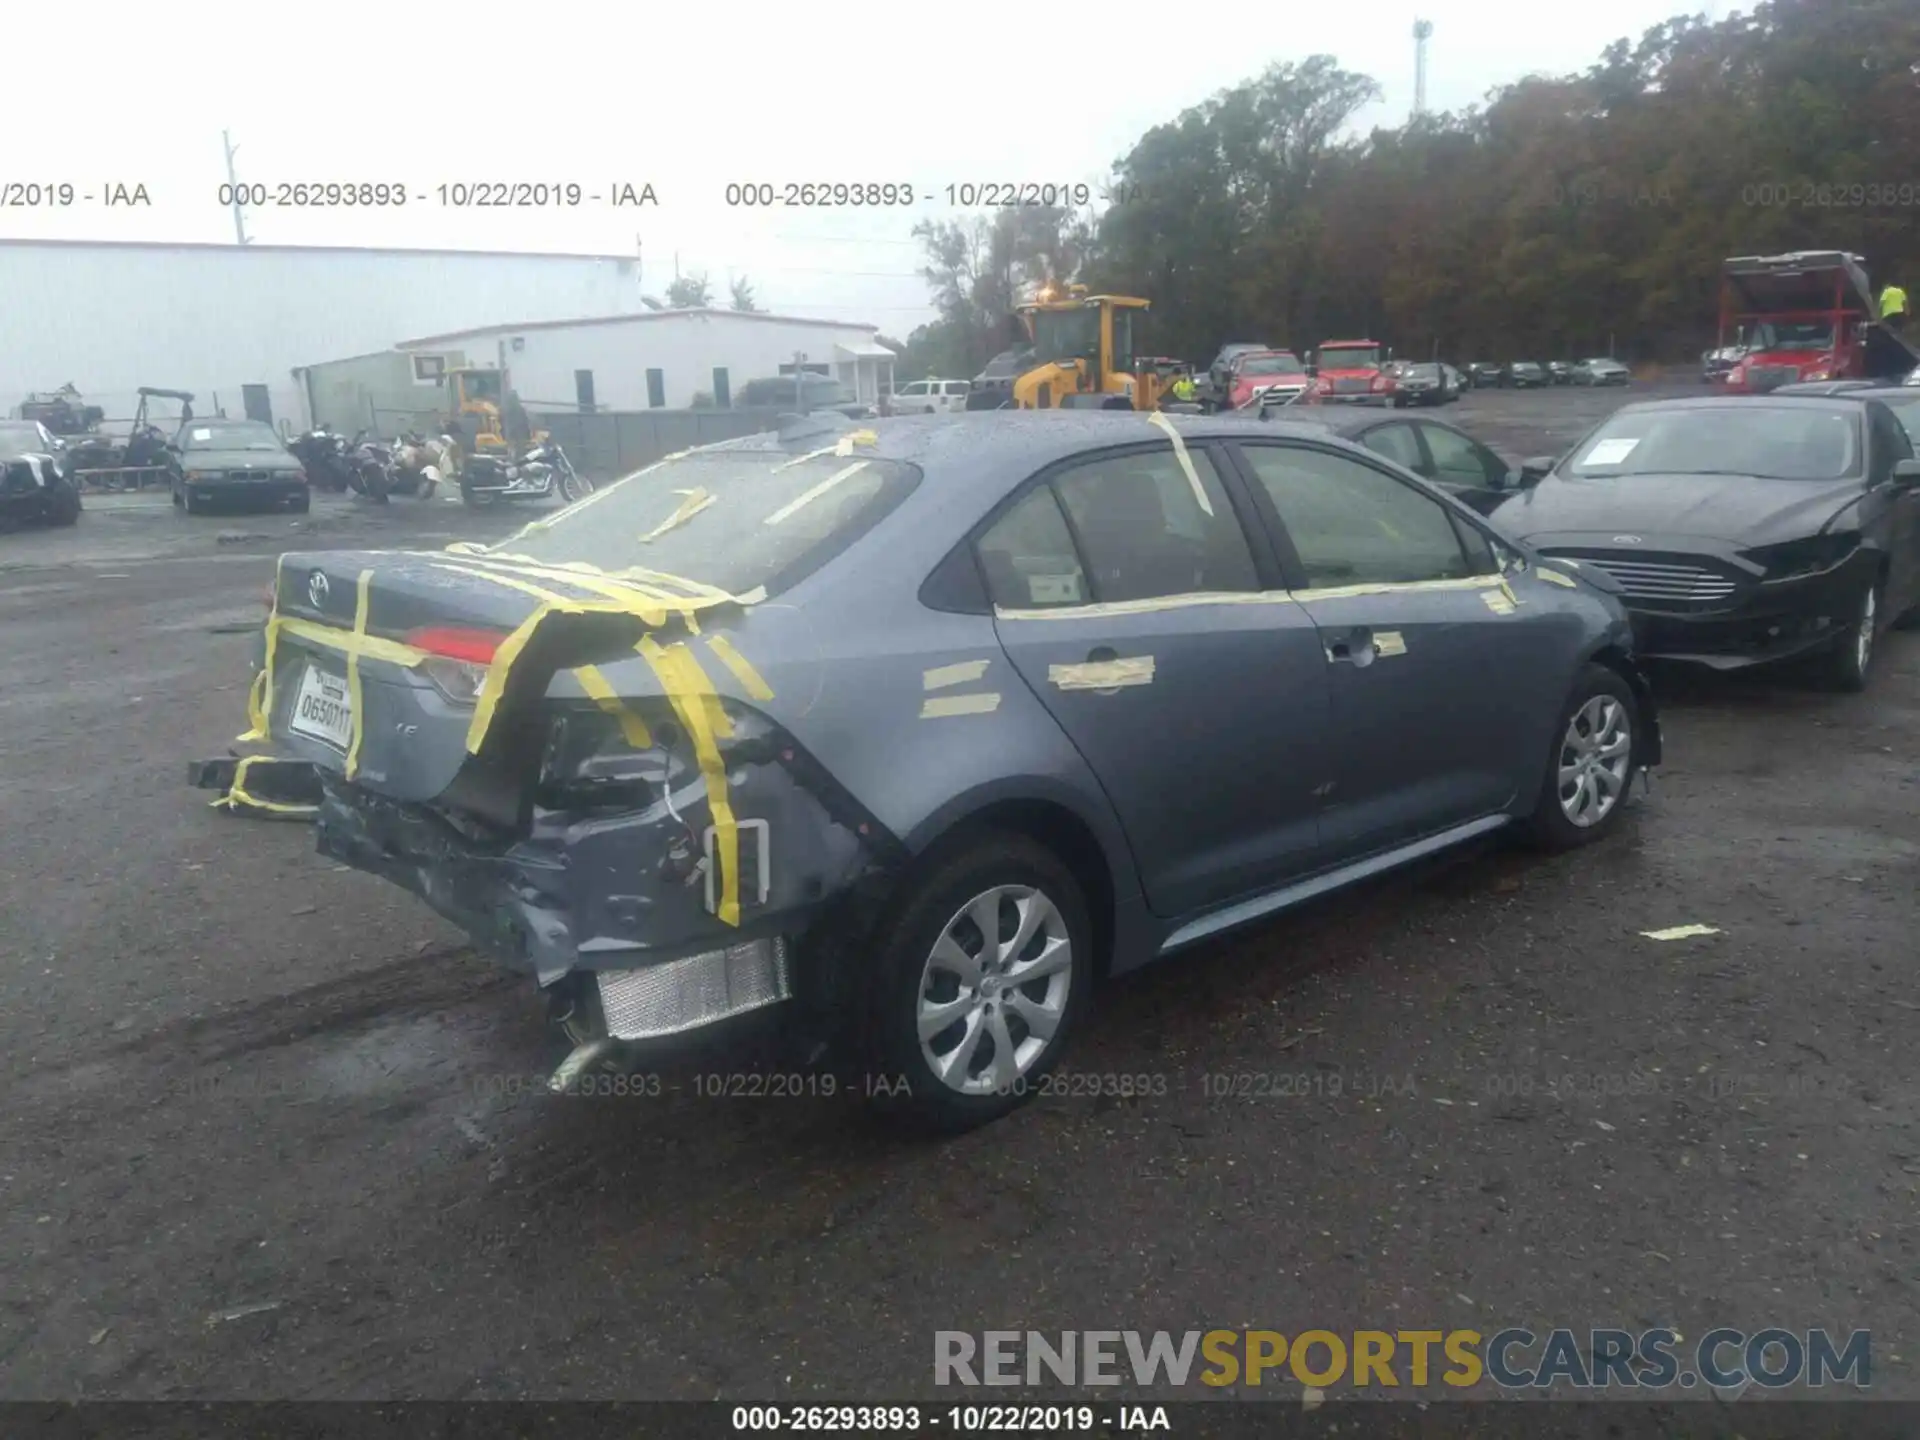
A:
233	321
664	358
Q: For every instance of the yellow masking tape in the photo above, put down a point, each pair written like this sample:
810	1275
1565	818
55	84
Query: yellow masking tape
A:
1554	577
1148	607
1402	587
357	718
647	606
368	647
820	454
630	596
858	437
696	500
489	697
1497	603
632	727
1388	643
1186	460
1507	590
813	494
260	697
942	705
742	669
1103	674
694	701
941	676
237	795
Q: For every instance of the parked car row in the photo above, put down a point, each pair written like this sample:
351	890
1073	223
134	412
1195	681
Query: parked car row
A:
1533	374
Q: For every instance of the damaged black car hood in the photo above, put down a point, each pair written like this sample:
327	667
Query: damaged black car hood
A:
1743	509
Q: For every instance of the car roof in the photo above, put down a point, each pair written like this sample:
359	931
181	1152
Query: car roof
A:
989	448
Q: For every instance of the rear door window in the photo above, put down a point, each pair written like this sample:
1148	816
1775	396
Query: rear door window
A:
1145	530
1351	524
1029	559
1399	444
1459	461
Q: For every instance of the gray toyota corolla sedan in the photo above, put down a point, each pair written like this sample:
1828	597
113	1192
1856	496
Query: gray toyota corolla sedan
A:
904	737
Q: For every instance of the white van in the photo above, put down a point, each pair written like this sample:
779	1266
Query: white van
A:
930	397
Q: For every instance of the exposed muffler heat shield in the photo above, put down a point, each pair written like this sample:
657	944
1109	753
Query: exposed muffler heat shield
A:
699	990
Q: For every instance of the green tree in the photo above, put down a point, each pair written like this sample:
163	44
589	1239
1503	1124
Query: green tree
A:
743	296
690	292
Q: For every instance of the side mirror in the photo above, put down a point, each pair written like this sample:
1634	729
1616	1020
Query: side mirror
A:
1532	471
1906	474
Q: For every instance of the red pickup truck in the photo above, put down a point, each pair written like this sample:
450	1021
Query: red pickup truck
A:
1805	316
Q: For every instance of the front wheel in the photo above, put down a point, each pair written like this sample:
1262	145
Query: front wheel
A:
1847	664
473	498
1590	765
572	488
978	979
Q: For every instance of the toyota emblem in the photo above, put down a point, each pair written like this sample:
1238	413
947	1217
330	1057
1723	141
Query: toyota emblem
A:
317	590
1618	540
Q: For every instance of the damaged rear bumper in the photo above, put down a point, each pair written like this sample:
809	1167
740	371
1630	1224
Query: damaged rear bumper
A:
613	910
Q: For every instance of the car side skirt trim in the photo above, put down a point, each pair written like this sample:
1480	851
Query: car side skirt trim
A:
1260	906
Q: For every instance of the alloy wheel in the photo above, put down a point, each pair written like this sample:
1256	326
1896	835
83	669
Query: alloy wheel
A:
1863	633
993	991
1595	755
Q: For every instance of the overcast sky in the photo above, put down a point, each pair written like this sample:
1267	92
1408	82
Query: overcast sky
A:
606	94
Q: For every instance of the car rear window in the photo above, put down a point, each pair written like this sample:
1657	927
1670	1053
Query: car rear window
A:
1775	442
735	519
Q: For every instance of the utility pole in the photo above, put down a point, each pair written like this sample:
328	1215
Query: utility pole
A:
1422	32
233	190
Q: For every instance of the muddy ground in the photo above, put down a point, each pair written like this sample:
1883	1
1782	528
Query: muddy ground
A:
267	1130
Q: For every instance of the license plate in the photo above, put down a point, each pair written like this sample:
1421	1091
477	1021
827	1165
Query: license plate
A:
323	710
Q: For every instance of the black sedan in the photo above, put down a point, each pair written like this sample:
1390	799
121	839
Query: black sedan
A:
1742	531
1526	375
34	479
1486	372
1417	383
1441	454
236	460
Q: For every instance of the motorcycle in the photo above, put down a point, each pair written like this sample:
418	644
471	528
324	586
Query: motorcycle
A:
419	465
371	467
326	458
541	473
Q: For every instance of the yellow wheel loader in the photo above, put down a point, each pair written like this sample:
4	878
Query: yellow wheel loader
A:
1084	356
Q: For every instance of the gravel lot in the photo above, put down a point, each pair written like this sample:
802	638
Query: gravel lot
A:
265	1132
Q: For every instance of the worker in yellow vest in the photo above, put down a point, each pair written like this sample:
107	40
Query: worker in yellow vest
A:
1893	307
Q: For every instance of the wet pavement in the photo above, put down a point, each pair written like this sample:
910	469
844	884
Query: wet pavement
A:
270	1130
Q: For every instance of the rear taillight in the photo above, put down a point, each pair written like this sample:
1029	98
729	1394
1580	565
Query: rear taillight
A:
456	642
457	659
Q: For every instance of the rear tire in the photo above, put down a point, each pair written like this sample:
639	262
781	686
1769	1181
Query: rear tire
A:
928	931
1583	794
301	504
65	509
193	504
